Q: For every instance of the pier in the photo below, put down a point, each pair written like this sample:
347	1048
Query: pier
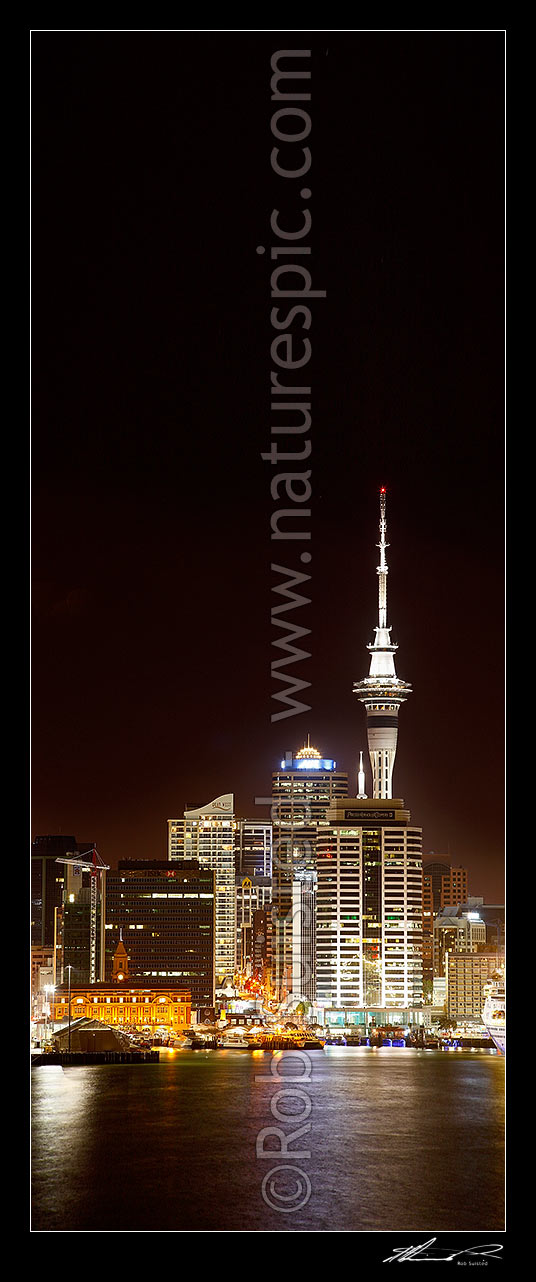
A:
73	1058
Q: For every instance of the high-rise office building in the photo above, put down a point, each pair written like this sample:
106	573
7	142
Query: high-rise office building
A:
163	914
369	907
252	895
253	861
76	927
47	883
208	835
494	917
81	920
253	848
261	963
442	884
304	889
448	883
456	930
302	791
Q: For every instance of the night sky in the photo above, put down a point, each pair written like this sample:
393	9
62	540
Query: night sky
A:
151	646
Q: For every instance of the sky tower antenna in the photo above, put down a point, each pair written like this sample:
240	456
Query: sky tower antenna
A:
382	691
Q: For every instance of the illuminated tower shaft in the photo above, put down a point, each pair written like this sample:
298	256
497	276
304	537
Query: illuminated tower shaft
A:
382	691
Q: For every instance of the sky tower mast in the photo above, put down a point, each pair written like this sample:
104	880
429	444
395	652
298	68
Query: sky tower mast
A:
382	692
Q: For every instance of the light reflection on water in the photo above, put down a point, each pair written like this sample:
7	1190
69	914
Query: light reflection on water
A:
398	1139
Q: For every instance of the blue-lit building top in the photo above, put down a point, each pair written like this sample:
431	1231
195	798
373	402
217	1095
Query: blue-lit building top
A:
309	763
308	758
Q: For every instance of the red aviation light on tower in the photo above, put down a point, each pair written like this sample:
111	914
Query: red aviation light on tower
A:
383	490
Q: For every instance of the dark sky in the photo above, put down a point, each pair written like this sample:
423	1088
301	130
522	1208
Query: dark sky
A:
151	646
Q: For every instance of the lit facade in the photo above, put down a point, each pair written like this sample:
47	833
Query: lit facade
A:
442	884
262	945
132	1003
456	931
253	861
42	967
208	836
252	896
467	974
304	936
163	913
303	789
253	848
76	926
369	907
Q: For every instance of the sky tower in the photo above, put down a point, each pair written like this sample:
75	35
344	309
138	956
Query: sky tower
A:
382	691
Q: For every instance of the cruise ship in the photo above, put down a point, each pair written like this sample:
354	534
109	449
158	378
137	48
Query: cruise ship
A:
494	1013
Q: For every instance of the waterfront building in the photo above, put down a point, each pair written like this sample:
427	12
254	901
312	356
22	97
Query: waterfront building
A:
467	974
160	914
369	907
208	836
134	1003
302	791
382	692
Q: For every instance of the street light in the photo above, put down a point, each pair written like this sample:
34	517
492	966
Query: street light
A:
49	988
69	968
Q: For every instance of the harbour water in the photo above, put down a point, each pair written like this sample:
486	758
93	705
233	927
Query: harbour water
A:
392	1139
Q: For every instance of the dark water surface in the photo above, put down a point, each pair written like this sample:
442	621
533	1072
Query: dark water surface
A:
397	1139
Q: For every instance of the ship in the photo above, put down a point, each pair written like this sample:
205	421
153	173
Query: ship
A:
494	1013
234	1040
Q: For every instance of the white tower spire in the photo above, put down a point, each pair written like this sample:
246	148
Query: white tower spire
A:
382	691
382	568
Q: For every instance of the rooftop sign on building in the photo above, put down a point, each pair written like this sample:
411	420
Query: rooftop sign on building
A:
223	805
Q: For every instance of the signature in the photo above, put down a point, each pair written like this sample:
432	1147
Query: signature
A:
428	1252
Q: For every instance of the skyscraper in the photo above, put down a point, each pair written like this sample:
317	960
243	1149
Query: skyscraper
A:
208	835
442	885
302	791
48	879
382	692
369	907
448	884
163	914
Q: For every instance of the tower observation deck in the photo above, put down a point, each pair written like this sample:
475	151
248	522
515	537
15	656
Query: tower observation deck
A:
382	692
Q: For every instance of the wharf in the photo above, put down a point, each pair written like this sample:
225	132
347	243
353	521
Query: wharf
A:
72	1058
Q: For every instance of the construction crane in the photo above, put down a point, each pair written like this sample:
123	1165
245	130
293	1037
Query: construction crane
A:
96	867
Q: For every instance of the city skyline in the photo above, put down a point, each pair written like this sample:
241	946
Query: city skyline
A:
152	642
268	873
